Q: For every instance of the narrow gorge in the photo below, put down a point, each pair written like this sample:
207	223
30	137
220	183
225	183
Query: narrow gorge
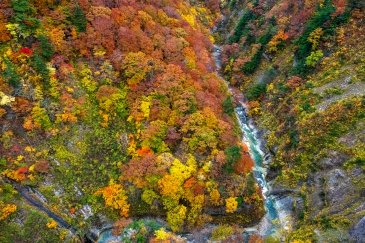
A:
182	121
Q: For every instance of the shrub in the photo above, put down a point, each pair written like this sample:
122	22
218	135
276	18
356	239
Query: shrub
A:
233	154
41	166
10	74
232	4
356	162
40	117
265	38
162	234
313	58
251	66
228	106
294	138
231	205
307	107
277	42
6	210
333	91
222	232
176	217
256	91
250	184
149	196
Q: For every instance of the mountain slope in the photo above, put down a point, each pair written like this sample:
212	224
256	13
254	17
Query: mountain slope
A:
301	67
113	109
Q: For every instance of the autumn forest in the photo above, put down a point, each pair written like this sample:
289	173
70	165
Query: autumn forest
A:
182	121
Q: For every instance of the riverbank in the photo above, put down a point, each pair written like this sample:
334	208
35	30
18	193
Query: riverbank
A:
313	122
277	218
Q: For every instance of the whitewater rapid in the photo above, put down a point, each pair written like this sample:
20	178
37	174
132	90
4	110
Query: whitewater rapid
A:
275	220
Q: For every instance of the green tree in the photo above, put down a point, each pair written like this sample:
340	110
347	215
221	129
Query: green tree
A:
46	50
313	58
40	65
233	154
23	15
78	19
241	29
10	74
255	91
228	106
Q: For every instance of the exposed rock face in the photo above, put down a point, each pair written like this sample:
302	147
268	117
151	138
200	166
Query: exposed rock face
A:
333	160
358	232
288	208
334	192
331	192
337	184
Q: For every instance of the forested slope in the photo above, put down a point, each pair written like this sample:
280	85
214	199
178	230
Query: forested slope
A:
111	112
301	66
113	109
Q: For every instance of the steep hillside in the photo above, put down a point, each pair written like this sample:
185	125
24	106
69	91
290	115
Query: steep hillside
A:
115	125
301	67
113	110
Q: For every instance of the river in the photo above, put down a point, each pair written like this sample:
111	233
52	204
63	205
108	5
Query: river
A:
274	220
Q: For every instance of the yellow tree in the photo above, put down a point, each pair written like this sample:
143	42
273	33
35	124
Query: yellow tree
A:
176	217
115	197
6	210
231	205
136	67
